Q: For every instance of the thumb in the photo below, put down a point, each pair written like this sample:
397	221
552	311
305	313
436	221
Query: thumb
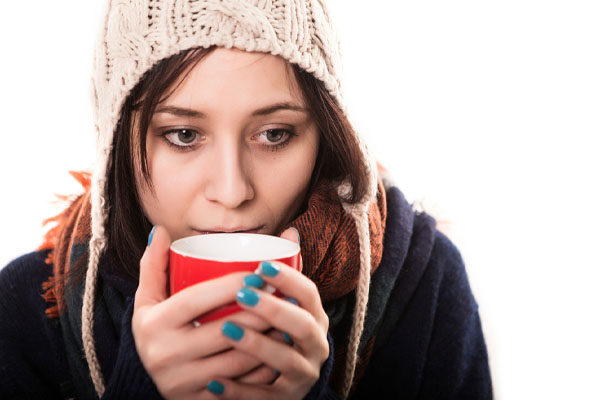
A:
293	235
152	286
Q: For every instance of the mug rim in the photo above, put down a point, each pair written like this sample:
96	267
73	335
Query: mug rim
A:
292	247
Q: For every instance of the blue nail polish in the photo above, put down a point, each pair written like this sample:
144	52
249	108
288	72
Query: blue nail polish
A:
269	269
215	387
151	235
247	296
292	300
297	234
287	338
232	331
254	280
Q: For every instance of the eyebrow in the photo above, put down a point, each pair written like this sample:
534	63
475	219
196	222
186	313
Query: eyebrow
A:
188	112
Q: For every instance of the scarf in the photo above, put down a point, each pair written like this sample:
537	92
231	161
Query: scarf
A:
329	248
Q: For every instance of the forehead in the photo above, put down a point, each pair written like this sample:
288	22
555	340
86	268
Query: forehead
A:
237	78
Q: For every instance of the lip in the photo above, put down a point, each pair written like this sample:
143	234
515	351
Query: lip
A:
229	230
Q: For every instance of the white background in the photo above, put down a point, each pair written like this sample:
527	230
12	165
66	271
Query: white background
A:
486	113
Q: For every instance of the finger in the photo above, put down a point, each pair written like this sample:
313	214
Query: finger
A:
289	318
188	304
207	338
221	388
232	364
246	318
185	377
262	375
294	284
153	280
293	235
271	352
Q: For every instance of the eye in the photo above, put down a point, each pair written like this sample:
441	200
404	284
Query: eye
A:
274	137
181	137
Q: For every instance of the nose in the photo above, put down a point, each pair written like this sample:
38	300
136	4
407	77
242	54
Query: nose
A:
228	177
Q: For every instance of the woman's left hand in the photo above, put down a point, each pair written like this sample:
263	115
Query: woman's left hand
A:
299	362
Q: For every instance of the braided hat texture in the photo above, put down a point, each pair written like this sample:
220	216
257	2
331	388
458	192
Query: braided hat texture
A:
136	34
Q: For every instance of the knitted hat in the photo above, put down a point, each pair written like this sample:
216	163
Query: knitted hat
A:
138	33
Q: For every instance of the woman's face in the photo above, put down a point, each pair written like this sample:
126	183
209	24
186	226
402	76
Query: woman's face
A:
232	149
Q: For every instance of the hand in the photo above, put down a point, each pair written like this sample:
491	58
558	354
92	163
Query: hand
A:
306	324
180	358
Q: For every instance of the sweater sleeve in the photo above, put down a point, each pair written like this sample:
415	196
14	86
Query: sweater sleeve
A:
457	362
129	379
321	389
31	363
34	365
436	349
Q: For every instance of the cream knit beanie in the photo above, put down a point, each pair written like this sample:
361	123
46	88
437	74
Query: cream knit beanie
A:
136	34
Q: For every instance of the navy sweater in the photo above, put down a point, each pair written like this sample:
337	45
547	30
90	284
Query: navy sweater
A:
429	345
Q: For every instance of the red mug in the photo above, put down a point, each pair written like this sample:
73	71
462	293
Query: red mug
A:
200	258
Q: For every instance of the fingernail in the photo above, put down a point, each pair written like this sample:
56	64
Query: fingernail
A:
287	338
292	300
297	234
232	331
254	280
269	269
151	235
247	296
215	387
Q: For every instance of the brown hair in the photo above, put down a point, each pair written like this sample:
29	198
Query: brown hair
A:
339	154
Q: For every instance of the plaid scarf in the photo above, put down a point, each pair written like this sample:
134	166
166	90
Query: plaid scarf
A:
329	247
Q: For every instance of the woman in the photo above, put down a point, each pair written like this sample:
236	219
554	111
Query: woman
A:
221	116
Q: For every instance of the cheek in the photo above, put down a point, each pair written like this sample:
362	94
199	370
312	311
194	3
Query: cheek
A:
287	180
172	190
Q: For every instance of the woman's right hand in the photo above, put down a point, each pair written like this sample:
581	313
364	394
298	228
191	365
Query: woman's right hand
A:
181	358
